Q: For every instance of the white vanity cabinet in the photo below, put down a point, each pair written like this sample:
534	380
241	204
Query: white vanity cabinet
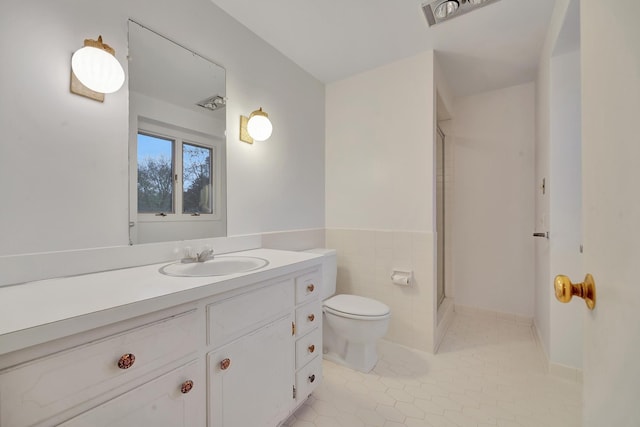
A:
250	368
243	352
308	344
262	342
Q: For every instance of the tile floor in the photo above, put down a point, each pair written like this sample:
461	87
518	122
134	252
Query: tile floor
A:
488	372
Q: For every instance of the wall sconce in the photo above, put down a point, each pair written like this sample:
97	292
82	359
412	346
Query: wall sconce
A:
256	127
95	70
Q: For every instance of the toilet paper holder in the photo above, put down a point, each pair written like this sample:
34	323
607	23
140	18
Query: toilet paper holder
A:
402	277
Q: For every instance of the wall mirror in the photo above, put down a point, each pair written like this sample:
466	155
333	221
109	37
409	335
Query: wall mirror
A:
177	126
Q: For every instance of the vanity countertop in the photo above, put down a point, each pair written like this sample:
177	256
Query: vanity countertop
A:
35	312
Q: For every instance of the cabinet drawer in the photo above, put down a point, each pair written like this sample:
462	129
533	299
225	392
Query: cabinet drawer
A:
308	378
308	347
308	316
167	401
239	315
36	390
308	286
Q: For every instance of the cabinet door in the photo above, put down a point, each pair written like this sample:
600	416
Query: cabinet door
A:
251	379
167	401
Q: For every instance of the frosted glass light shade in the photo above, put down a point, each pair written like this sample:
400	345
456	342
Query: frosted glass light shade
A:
97	69
259	126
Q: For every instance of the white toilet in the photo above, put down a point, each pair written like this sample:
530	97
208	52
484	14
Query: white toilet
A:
352	325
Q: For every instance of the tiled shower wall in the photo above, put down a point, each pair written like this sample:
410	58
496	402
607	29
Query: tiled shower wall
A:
366	259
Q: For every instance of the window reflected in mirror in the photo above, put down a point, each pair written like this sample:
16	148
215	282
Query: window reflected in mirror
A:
196	179
155	174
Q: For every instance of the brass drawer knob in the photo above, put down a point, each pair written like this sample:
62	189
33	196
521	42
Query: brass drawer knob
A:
312	378
224	365
311	348
186	387
126	361
310	287
311	318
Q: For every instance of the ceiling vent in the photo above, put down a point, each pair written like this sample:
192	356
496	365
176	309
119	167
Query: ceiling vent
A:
443	10
213	103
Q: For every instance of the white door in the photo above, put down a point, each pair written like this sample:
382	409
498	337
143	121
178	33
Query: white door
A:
610	43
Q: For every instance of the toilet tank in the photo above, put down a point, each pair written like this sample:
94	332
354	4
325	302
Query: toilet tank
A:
329	270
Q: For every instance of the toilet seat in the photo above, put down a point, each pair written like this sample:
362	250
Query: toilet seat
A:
356	307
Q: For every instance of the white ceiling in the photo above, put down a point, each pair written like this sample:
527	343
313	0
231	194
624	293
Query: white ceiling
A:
493	47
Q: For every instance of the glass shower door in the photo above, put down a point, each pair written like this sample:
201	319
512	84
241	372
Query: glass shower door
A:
440	197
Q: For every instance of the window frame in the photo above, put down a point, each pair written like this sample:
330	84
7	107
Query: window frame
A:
180	137
212	178
173	141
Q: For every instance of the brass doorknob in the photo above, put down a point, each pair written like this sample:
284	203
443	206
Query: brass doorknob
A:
311	318
565	290
311	348
310	287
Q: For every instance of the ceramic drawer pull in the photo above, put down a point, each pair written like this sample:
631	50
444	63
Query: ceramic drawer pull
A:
186	387
224	365
312	378
312	348
311	318
126	361
310	287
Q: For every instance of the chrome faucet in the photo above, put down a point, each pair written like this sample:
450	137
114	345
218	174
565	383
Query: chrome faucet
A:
204	255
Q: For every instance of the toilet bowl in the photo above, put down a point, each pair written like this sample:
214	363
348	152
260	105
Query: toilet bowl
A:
352	325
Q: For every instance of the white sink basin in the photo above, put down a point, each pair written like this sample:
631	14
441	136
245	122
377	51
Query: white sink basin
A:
218	266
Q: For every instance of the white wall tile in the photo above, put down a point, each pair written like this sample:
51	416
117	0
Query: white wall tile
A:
365	263
294	240
387	188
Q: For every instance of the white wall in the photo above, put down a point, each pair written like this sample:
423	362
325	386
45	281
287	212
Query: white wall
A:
64	163
493	137
379	149
565	190
558	142
542	157
380	189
